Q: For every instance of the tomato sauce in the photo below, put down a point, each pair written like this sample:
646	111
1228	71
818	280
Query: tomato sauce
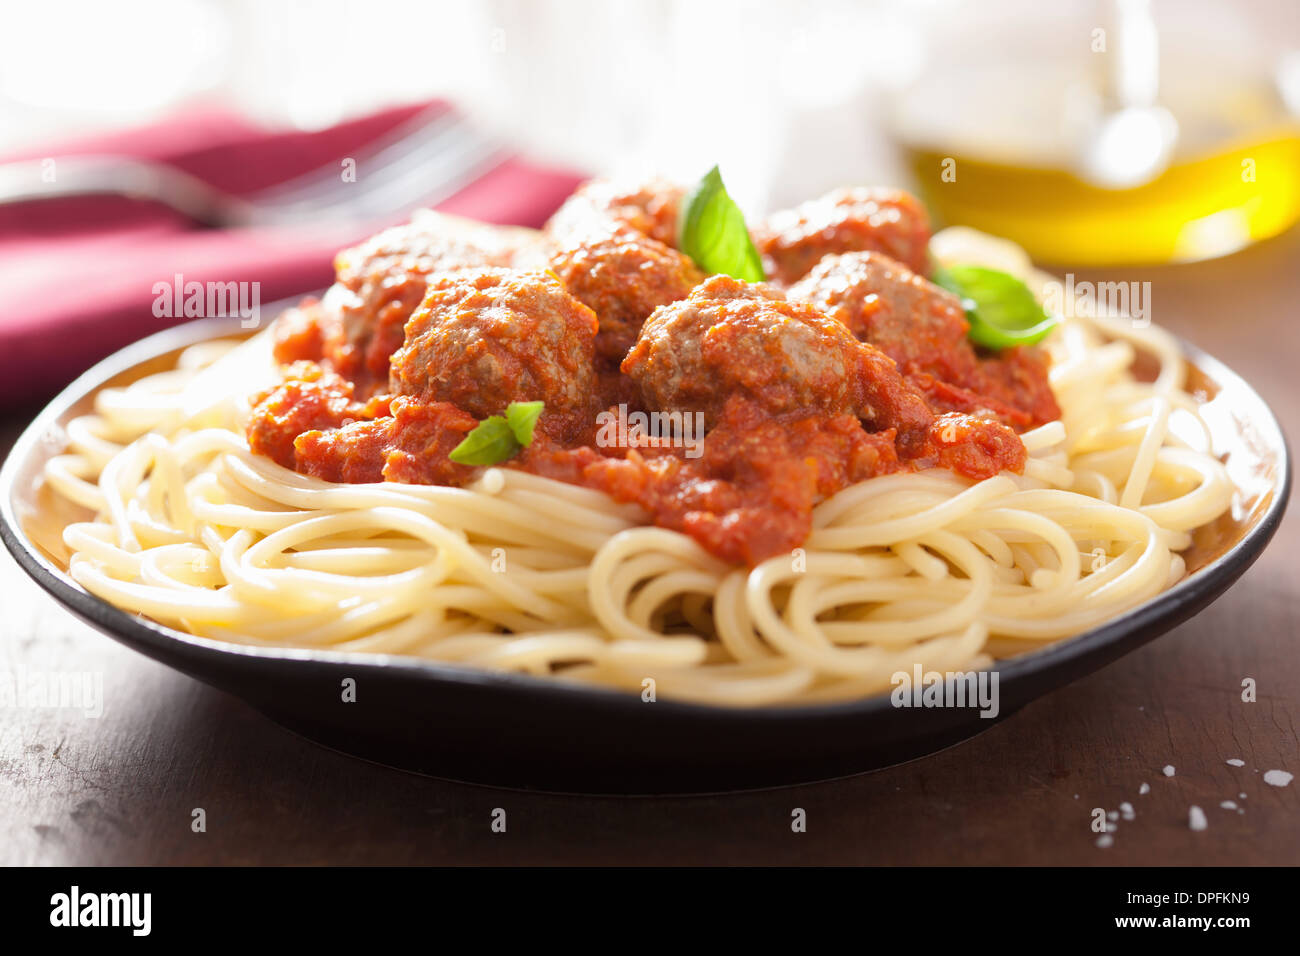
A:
854	377
748	497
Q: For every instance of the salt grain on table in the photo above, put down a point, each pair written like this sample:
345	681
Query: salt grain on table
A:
1169	770
1105	840
1278	778
1196	818
1145	788
1234	762
1127	810
1229	804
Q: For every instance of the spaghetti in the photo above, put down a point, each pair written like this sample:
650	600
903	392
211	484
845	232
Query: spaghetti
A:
516	571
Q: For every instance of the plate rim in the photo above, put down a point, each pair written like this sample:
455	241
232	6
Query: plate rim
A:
1214	578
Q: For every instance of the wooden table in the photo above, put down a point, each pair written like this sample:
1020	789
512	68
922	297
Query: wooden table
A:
121	789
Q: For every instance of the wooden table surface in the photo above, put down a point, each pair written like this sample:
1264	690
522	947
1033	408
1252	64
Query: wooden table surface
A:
120	789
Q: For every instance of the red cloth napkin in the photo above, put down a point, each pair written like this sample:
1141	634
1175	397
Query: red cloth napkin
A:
77	275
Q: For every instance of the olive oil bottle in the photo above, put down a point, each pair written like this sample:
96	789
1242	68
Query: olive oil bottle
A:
1107	133
1206	204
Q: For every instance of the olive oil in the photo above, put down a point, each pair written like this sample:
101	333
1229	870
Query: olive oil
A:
1205	204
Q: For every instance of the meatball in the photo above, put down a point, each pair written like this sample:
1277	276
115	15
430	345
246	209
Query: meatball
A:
845	220
916	323
923	328
733	338
380	282
482	339
623	276
650	208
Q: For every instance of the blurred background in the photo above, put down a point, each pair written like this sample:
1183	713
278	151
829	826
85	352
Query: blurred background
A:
791	99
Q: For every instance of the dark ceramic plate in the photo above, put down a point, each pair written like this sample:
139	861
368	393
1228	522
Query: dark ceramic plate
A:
528	732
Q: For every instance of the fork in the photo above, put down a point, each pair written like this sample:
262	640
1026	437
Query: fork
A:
425	160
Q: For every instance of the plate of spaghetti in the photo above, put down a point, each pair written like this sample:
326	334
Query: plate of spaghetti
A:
651	499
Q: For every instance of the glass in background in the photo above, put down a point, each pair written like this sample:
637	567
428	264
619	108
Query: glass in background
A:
1108	132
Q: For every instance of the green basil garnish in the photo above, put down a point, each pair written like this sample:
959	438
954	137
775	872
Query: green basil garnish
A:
490	442
522	417
498	437
1001	310
713	232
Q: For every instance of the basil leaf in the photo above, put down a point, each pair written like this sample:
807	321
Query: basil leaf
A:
497	438
1001	310
713	232
522	417
490	442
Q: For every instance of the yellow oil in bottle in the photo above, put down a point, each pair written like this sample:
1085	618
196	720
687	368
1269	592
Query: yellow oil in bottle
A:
1205	204
999	136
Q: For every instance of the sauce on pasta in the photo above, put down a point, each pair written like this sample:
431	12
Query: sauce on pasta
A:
849	365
